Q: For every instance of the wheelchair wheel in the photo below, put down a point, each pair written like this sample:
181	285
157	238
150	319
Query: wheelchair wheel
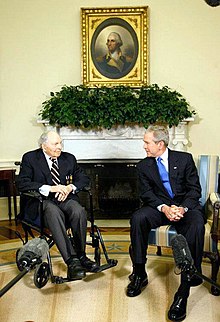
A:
41	275
19	266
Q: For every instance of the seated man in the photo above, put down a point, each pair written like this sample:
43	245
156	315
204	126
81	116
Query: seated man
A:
57	176
170	191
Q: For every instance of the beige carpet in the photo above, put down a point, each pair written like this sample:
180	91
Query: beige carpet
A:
101	297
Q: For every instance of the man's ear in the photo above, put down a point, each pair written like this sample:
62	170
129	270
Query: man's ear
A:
43	147
161	144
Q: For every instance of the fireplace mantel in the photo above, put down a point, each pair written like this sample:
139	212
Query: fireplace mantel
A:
121	143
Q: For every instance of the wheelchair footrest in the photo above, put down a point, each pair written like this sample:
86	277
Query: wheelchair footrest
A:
59	280
111	263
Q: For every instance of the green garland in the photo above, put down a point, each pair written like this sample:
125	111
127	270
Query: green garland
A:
106	107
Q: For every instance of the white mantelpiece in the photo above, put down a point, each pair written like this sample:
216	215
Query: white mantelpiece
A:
122	143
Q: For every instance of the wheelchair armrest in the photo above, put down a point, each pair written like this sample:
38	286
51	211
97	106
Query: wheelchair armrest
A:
85	189
215	202
33	194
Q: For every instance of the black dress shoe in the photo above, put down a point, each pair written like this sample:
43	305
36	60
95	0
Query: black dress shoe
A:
177	311
89	265
75	270
136	285
131	276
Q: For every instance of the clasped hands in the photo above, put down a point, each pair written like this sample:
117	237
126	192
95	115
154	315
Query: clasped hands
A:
173	213
61	191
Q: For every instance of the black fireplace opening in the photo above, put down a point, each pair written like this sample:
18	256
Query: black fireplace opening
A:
114	188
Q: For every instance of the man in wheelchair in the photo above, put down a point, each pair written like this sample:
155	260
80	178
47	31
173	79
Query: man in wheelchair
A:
57	177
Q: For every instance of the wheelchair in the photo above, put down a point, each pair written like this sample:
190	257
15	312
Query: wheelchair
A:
43	269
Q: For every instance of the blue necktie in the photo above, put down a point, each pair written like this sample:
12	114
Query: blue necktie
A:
164	176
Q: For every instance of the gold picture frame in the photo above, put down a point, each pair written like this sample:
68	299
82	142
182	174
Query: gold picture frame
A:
128	27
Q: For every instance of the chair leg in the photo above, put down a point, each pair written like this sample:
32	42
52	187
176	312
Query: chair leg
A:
215	268
159	251
215	263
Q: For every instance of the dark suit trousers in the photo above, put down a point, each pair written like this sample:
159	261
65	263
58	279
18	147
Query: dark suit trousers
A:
191	227
60	215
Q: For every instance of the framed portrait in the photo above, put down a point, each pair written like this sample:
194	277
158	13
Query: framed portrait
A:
115	46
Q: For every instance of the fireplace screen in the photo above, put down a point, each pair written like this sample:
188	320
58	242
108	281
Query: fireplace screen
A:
114	189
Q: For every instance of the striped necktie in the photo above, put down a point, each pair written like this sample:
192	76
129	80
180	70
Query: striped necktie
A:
164	176
55	172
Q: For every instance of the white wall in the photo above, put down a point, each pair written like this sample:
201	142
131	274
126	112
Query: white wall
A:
40	50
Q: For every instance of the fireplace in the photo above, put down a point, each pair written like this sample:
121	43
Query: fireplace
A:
114	187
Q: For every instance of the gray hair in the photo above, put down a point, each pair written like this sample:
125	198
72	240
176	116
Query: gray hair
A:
117	38
160	133
43	139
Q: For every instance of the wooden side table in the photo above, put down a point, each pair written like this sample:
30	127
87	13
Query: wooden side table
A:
8	176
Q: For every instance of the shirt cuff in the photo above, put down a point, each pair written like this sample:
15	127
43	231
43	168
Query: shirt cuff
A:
160	207
74	188
44	190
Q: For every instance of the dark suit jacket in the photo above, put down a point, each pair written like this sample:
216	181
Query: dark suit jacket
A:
35	172
184	181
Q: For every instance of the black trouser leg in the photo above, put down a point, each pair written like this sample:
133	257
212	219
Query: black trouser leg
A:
140	230
193	229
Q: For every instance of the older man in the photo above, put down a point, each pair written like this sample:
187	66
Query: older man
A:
170	190
57	176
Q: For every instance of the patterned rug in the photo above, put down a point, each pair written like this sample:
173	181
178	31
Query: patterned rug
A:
102	296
